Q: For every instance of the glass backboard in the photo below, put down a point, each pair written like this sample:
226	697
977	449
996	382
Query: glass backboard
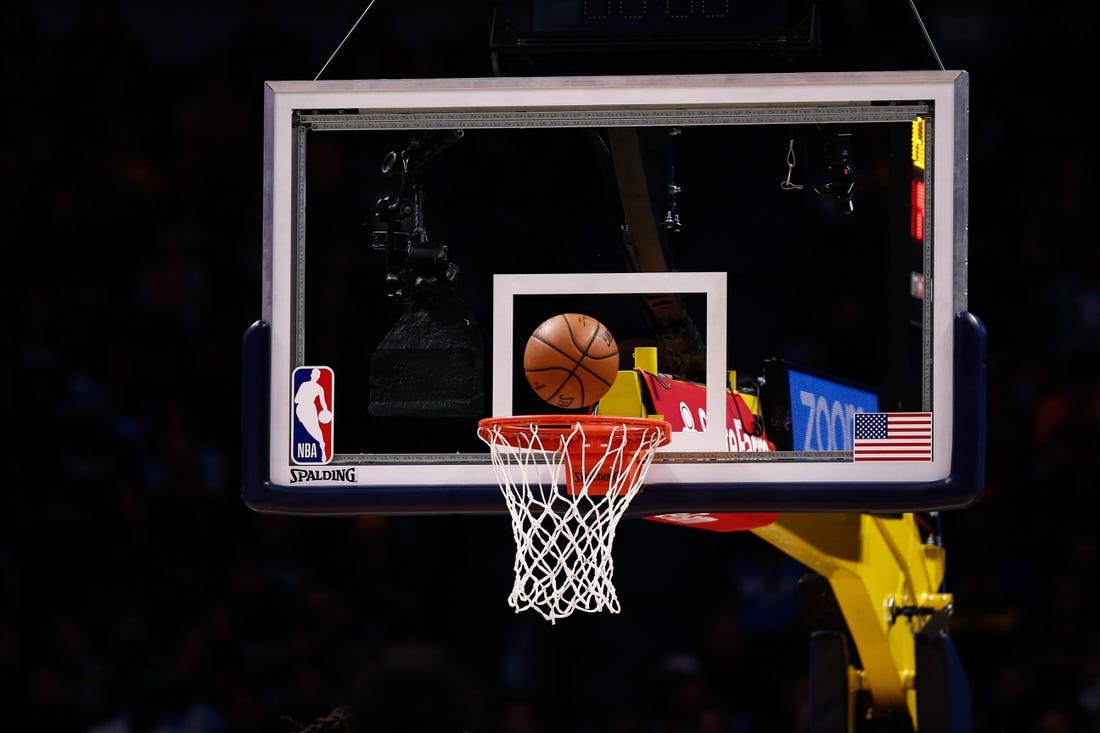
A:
795	240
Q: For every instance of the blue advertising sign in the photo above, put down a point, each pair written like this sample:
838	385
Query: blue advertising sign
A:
821	412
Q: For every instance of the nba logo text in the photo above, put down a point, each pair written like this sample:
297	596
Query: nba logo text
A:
311	412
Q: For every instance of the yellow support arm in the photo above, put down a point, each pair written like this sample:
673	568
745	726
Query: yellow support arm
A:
886	581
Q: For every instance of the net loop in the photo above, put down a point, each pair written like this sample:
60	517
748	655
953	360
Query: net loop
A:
567	481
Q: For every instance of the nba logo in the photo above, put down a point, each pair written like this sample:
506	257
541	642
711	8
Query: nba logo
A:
311	415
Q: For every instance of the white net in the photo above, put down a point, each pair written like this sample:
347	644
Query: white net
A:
567	485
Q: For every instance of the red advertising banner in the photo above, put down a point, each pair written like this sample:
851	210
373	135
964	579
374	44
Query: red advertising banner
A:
684	406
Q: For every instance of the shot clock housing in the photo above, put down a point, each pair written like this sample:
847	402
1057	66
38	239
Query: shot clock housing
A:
669	36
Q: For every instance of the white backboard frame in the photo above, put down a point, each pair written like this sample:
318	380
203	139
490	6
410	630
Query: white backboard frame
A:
277	484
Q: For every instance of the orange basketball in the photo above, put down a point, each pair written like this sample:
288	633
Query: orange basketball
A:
571	360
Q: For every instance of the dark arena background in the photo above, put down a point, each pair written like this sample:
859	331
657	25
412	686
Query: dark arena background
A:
139	593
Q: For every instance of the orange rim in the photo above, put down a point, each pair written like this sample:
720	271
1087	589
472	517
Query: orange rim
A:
560	425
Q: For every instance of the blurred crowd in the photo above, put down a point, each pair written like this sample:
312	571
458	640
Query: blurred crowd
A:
138	593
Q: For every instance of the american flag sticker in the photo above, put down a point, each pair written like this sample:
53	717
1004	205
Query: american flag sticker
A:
892	436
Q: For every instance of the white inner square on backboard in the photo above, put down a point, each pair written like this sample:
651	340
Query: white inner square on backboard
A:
712	285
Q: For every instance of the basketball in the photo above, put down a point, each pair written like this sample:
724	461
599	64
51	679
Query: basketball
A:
571	360
324	417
